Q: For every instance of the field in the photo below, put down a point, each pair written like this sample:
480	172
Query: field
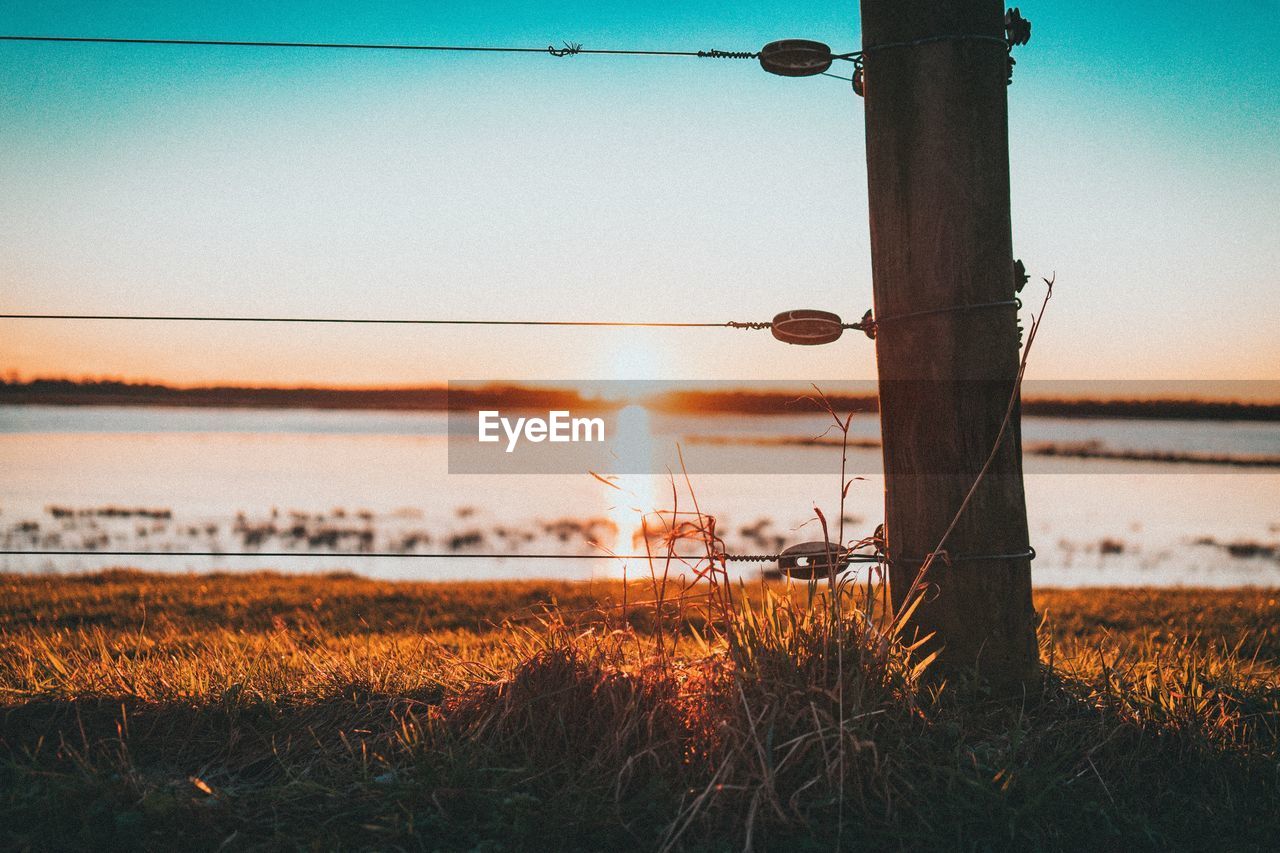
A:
333	712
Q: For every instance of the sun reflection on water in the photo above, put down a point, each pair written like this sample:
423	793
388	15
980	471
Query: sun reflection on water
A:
632	447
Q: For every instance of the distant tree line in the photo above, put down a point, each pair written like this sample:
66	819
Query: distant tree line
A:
68	392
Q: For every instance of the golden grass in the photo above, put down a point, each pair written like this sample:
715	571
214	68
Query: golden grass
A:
331	712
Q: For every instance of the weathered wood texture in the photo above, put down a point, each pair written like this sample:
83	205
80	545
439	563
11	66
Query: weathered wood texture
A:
938	176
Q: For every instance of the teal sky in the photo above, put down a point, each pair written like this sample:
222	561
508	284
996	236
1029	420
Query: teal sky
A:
226	180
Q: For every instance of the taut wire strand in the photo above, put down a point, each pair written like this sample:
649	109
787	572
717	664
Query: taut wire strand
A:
174	318
346	555
754	325
569	48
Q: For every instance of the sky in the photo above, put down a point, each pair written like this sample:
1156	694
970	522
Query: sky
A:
1143	145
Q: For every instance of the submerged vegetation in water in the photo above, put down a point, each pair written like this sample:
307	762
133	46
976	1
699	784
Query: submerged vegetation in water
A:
104	528
260	711
466	529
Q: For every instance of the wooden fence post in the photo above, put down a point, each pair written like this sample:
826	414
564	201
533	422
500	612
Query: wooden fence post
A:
935	85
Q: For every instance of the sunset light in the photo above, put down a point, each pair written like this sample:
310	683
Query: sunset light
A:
634	497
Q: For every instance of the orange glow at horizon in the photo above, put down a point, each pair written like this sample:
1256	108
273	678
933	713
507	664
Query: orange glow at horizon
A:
202	355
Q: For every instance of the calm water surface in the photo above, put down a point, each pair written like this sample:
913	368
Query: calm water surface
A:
294	480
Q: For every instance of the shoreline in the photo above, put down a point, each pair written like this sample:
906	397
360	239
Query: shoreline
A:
47	392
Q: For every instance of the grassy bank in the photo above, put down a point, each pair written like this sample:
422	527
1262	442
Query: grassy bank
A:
265	711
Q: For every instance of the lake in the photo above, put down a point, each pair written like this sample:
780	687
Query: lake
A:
169	480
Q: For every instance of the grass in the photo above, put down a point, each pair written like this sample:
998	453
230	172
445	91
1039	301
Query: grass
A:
265	711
